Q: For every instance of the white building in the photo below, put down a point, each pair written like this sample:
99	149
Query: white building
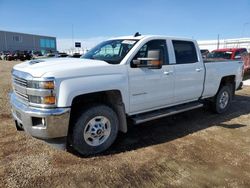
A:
225	43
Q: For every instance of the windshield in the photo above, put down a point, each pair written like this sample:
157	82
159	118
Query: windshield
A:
112	51
223	55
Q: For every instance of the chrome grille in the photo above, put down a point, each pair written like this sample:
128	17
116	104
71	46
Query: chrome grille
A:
22	96
19	86
20	81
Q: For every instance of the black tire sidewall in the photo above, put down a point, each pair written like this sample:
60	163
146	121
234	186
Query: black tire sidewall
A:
228	89
78	142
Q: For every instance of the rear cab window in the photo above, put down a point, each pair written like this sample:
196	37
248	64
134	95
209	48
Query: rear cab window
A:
185	52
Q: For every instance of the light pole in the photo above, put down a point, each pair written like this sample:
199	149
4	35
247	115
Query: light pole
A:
218	41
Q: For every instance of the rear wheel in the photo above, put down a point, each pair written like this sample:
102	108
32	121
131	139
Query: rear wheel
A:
95	130
223	99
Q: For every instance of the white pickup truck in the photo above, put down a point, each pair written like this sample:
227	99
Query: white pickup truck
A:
140	78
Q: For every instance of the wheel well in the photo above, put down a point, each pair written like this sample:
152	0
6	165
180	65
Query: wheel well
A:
112	98
226	80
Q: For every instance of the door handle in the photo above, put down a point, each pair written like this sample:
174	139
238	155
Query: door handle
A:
198	69
167	72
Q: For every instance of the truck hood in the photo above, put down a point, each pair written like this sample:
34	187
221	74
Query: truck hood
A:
51	66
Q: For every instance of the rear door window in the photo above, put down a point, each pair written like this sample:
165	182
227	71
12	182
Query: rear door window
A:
185	52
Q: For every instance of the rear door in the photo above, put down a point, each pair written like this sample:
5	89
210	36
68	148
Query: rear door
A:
151	88
189	72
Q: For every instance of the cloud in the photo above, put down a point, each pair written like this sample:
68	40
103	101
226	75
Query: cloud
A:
86	43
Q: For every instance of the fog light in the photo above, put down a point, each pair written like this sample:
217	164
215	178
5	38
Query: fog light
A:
38	122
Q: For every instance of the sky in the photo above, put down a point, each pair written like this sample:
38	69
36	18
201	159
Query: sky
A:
91	21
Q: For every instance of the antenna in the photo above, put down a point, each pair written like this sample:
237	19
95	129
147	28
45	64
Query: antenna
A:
137	34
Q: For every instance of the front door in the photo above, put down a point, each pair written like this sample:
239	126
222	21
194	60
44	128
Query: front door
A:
151	88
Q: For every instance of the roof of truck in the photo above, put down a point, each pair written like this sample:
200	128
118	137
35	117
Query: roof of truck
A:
130	37
227	49
149	36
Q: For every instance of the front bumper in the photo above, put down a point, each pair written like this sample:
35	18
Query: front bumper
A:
38	122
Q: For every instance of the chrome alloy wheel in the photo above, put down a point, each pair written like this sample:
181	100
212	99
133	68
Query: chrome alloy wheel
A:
97	131
224	98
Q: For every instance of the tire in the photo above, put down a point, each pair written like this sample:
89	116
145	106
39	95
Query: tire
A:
223	99
95	130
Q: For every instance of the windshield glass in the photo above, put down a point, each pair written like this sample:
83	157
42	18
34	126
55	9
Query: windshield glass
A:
112	51
223	55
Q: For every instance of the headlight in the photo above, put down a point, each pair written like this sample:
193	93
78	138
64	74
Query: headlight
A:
49	100
42	92
41	84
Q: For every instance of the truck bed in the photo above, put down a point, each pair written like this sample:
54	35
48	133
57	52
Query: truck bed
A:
215	70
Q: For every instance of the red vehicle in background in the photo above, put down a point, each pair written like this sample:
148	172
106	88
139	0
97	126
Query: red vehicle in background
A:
246	60
233	54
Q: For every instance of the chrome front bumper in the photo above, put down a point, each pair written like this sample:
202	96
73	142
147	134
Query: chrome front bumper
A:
38	122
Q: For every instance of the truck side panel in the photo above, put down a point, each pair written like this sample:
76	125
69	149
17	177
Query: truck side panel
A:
70	88
215	71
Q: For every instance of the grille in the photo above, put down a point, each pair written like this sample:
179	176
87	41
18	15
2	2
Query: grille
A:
22	96
20	83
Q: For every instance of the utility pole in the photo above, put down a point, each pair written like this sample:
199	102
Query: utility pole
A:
218	41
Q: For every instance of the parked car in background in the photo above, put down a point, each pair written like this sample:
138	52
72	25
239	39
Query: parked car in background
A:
37	54
229	53
246	60
2	56
10	56
22	55
16	55
50	55
56	54
76	55
62	54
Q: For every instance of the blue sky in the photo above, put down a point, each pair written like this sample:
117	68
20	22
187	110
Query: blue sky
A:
94	20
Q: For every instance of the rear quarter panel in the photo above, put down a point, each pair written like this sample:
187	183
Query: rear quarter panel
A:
215	71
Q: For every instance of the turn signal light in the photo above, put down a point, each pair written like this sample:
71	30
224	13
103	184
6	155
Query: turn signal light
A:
49	100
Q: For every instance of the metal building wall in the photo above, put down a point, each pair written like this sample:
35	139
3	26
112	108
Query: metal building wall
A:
28	42
225	43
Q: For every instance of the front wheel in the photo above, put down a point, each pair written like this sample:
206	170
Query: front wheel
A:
223	99
95	130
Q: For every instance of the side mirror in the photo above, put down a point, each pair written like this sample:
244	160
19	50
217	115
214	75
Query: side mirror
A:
152	61
237	57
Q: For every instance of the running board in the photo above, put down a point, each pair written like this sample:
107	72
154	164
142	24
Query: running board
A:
148	116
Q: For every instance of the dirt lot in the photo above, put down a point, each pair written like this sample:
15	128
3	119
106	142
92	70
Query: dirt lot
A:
193	149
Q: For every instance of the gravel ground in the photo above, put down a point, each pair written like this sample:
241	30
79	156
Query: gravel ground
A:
193	149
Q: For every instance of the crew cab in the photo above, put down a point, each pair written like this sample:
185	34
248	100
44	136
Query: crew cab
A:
138	78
